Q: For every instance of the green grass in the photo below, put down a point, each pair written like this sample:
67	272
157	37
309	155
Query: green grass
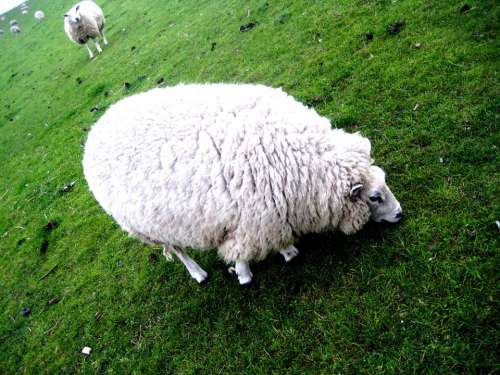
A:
421	297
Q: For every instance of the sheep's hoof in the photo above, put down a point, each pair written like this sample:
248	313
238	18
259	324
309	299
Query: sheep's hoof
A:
245	280
289	253
200	276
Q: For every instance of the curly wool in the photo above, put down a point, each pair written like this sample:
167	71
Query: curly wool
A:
243	168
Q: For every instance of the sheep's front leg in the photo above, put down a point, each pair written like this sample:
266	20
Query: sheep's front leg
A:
289	253
193	268
242	269
97	46
91	55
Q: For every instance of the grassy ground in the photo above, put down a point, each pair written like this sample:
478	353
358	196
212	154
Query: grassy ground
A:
421	297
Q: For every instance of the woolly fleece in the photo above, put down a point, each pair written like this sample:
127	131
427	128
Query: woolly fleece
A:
243	168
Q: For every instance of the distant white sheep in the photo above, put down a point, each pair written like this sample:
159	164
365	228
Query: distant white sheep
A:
85	21
245	169
24	12
1	32
14	27
39	15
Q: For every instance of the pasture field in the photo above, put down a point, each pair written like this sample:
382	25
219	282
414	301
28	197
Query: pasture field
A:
419	297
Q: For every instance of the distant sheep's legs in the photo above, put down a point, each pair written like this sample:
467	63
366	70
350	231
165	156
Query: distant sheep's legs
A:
97	46
193	268
242	269
104	38
289	253
91	55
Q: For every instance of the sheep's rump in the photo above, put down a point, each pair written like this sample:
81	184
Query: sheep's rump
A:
197	165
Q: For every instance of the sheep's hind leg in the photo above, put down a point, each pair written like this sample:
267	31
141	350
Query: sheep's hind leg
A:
97	46
289	253
104	38
193	268
91	55
242	269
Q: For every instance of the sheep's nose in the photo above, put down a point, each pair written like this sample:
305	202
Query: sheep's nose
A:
399	215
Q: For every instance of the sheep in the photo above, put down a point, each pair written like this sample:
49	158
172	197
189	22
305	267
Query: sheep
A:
242	168
1	32
24	12
85	21
39	15
14	28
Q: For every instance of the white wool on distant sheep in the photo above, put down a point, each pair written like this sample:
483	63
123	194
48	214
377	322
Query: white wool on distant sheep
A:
2	18
39	15
1	32
13	22
15	29
242	168
24	12
85	21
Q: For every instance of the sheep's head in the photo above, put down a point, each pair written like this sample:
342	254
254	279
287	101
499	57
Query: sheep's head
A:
374	191
73	15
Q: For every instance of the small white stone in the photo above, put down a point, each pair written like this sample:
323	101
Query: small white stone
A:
86	350
498	224
441	160
416	107
418	45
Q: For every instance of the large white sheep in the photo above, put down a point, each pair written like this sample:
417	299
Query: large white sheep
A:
85	21
39	15
242	168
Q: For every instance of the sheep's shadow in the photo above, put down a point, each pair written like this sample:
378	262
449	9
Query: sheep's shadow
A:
323	260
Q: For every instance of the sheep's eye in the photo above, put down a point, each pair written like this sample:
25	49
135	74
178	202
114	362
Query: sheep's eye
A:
376	198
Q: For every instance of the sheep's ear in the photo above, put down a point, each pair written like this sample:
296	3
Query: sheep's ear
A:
66	15
356	191
77	7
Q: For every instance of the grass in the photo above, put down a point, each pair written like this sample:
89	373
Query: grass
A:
421	297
